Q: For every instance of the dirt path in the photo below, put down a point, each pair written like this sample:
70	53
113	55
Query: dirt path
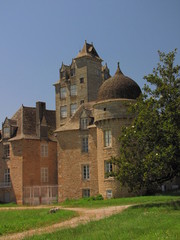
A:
85	215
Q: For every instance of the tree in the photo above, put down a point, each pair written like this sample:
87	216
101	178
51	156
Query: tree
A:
150	147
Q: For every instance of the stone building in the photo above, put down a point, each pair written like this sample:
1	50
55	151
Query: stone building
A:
28	156
54	155
91	108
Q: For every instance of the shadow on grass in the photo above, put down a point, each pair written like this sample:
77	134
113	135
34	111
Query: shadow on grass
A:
174	205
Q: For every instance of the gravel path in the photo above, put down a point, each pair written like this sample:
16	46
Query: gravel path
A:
85	215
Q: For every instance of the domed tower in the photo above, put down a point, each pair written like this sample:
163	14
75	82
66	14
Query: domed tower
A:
110	114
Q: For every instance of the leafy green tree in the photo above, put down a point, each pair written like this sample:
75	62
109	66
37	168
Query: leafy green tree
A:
150	147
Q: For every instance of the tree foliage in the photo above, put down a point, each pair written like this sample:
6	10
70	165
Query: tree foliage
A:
150	148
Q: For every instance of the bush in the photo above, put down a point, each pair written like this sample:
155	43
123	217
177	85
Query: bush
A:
94	198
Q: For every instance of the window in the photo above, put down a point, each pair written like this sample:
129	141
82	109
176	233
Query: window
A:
82	101
63	92
44	150
63	74
107	138
63	111
85	172
109	194
85	193
6	148
108	167
44	175
7	179
73	108
98	72
73	90
84	123
85	144
72	72
6	132
81	80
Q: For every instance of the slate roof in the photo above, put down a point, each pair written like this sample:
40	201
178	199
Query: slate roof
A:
25	119
89	51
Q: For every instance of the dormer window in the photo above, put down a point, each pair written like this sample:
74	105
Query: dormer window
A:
6	132
72	71
84	123
63	74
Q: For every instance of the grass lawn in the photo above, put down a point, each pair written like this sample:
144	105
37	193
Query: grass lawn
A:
20	220
9	205
90	203
145	222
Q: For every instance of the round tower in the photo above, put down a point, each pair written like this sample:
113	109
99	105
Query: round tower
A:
110	114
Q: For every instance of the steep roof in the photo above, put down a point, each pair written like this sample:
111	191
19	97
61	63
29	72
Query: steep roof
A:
25	118
88	50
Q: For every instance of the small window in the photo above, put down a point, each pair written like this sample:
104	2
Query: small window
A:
98	72
86	172
6	149
44	175
7	179
73	90
109	194
72	72
107	138
63	92
85	193
81	102
108	167
85	144
73	108
63	111
81	80
63	74
84	123
6	132
44	150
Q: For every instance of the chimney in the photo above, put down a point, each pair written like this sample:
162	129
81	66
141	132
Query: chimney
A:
40	112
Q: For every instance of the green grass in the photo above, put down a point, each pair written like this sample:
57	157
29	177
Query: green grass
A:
90	203
20	220
9	205
145	222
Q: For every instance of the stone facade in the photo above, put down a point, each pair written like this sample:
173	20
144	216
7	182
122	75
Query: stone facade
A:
79	82
88	138
65	153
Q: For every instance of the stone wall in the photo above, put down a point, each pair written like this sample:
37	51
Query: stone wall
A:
71	160
88	69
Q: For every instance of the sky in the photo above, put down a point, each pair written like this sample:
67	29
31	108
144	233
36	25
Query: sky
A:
36	36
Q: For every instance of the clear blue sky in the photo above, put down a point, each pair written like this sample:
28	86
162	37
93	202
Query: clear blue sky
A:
37	35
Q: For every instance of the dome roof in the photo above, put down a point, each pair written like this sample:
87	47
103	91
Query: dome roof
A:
119	86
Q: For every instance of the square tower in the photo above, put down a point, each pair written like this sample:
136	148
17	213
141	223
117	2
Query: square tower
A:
79	83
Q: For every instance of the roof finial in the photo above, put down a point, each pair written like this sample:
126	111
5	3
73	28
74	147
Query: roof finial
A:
118	69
